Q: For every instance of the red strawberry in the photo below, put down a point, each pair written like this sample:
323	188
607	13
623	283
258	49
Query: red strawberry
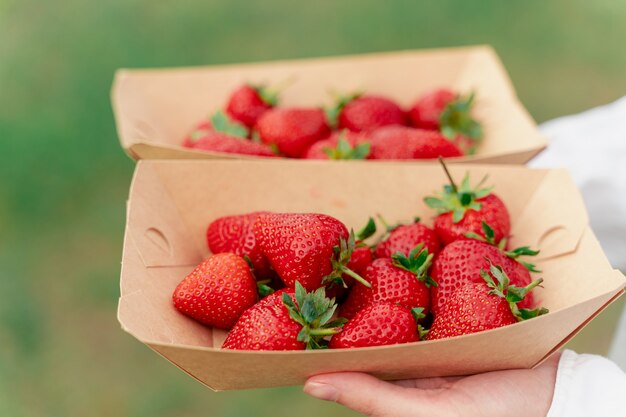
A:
479	306
378	325
311	248
285	320
461	261
364	113
448	112
217	291
463	209
236	234
226	136
292	130
401	279
360	259
426	111
403	238
362	254
200	130
248	103
220	142
404	143
340	145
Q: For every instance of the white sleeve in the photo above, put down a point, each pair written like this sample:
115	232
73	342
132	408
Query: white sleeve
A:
588	385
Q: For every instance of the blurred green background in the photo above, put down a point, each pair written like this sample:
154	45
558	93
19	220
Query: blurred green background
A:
64	179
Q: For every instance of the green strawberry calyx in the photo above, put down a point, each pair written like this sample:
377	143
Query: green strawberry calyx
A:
344	151
314	312
489	237
418	315
340	260
456	120
222	123
458	199
268	95
418	261
499	283
332	113
367	231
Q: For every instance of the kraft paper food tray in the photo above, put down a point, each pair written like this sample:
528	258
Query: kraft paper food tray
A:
172	202
155	108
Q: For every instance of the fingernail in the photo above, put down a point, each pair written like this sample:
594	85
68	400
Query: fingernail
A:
321	391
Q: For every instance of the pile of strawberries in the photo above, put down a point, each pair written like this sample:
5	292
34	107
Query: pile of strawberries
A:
359	126
289	281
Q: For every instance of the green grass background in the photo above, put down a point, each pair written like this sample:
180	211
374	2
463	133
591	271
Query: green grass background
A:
64	179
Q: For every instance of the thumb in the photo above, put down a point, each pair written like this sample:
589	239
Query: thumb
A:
363	393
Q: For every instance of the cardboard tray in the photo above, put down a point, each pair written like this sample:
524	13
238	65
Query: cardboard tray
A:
172	202
155	108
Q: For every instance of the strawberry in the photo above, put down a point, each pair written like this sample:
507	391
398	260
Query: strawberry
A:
401	279
247	103
311	248
236	234
219	142
362	254
340	145
449	113
360	113
200	130
404	143
226	136
285	320
217	291
292	130
378	325
461	261
463	209
360	259
403	238
479	306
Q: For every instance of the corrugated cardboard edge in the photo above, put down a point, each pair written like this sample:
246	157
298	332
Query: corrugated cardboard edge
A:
138	149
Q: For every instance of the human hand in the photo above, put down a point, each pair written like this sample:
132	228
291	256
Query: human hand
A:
520	392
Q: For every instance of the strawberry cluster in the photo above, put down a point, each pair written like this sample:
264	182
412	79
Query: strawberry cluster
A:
358	126
322	286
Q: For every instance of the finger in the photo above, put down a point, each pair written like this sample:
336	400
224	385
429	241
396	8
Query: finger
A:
363	393
427	383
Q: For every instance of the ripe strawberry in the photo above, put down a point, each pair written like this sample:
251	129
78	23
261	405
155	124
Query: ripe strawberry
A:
200	130
285	320
427	110
378	325
292	130
362	254
403	238
463	209
404	143
311	248
478	306
365	113
236	234
401	279
220	142
449	113
247	103
340	145
217	291
461	261
360	259
226	136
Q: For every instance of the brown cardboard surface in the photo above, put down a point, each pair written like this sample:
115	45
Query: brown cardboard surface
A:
177	199
154	109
